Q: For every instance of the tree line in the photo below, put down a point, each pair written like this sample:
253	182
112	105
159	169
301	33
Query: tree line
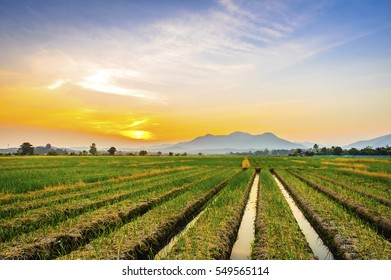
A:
367	151
28	149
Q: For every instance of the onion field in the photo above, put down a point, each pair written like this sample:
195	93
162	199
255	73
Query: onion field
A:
192	207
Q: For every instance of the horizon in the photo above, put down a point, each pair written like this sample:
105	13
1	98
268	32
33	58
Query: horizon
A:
140	73
155	145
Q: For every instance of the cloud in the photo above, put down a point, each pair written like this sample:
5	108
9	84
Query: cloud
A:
104	80
56	84
186	49
232	43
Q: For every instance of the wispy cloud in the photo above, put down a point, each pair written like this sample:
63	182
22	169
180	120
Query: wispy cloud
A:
104	80
230	43
223	42
56	84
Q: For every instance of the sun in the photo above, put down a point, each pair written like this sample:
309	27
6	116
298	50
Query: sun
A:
137	134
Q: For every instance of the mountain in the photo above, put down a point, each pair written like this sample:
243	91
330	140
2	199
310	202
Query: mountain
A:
234	142
381	141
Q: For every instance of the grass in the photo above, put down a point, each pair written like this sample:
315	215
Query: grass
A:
349	226
89	207
82	191
380	222
73	233
278	235
368	192
33	219
147	234
213	235
366	201
22	174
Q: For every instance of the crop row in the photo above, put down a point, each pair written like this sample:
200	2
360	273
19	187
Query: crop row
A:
146	235
57	190
347	236
366	183
23	174
214	233
277	234
70	235
36	218
32	178
383	224
363	192
91	191
367	200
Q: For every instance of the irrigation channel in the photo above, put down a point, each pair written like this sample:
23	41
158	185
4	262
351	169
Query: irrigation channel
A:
320	250
164	251
242	247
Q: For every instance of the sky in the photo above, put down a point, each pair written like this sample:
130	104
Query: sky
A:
135	73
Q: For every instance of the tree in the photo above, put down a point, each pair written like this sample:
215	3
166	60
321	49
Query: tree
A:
337	151
368	151
298	152
93	149
324	151
112	151
159	153
309	153
388	150
142	153
26	149
316	147
353	151
170	154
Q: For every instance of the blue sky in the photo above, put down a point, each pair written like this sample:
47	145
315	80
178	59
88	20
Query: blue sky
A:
174	70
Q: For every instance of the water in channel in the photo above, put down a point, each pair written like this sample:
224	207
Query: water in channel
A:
166	249
317	246
242	247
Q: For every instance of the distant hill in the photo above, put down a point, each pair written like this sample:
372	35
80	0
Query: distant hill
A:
377	142
234	142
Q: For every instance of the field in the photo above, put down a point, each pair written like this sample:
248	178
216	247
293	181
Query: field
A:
130	207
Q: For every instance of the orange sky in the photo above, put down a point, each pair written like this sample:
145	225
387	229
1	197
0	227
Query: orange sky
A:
58	117
191	71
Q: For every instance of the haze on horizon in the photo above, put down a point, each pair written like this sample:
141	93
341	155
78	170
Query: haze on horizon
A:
130	73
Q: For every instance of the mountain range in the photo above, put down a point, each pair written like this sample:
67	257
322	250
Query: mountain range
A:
381	141
235	142
244	142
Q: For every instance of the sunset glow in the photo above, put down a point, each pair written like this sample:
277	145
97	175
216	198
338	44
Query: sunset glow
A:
137	134
131	73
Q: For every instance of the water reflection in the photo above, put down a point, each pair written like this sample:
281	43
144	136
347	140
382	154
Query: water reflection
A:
242	247
317	246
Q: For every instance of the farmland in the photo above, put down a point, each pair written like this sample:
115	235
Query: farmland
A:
122	207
